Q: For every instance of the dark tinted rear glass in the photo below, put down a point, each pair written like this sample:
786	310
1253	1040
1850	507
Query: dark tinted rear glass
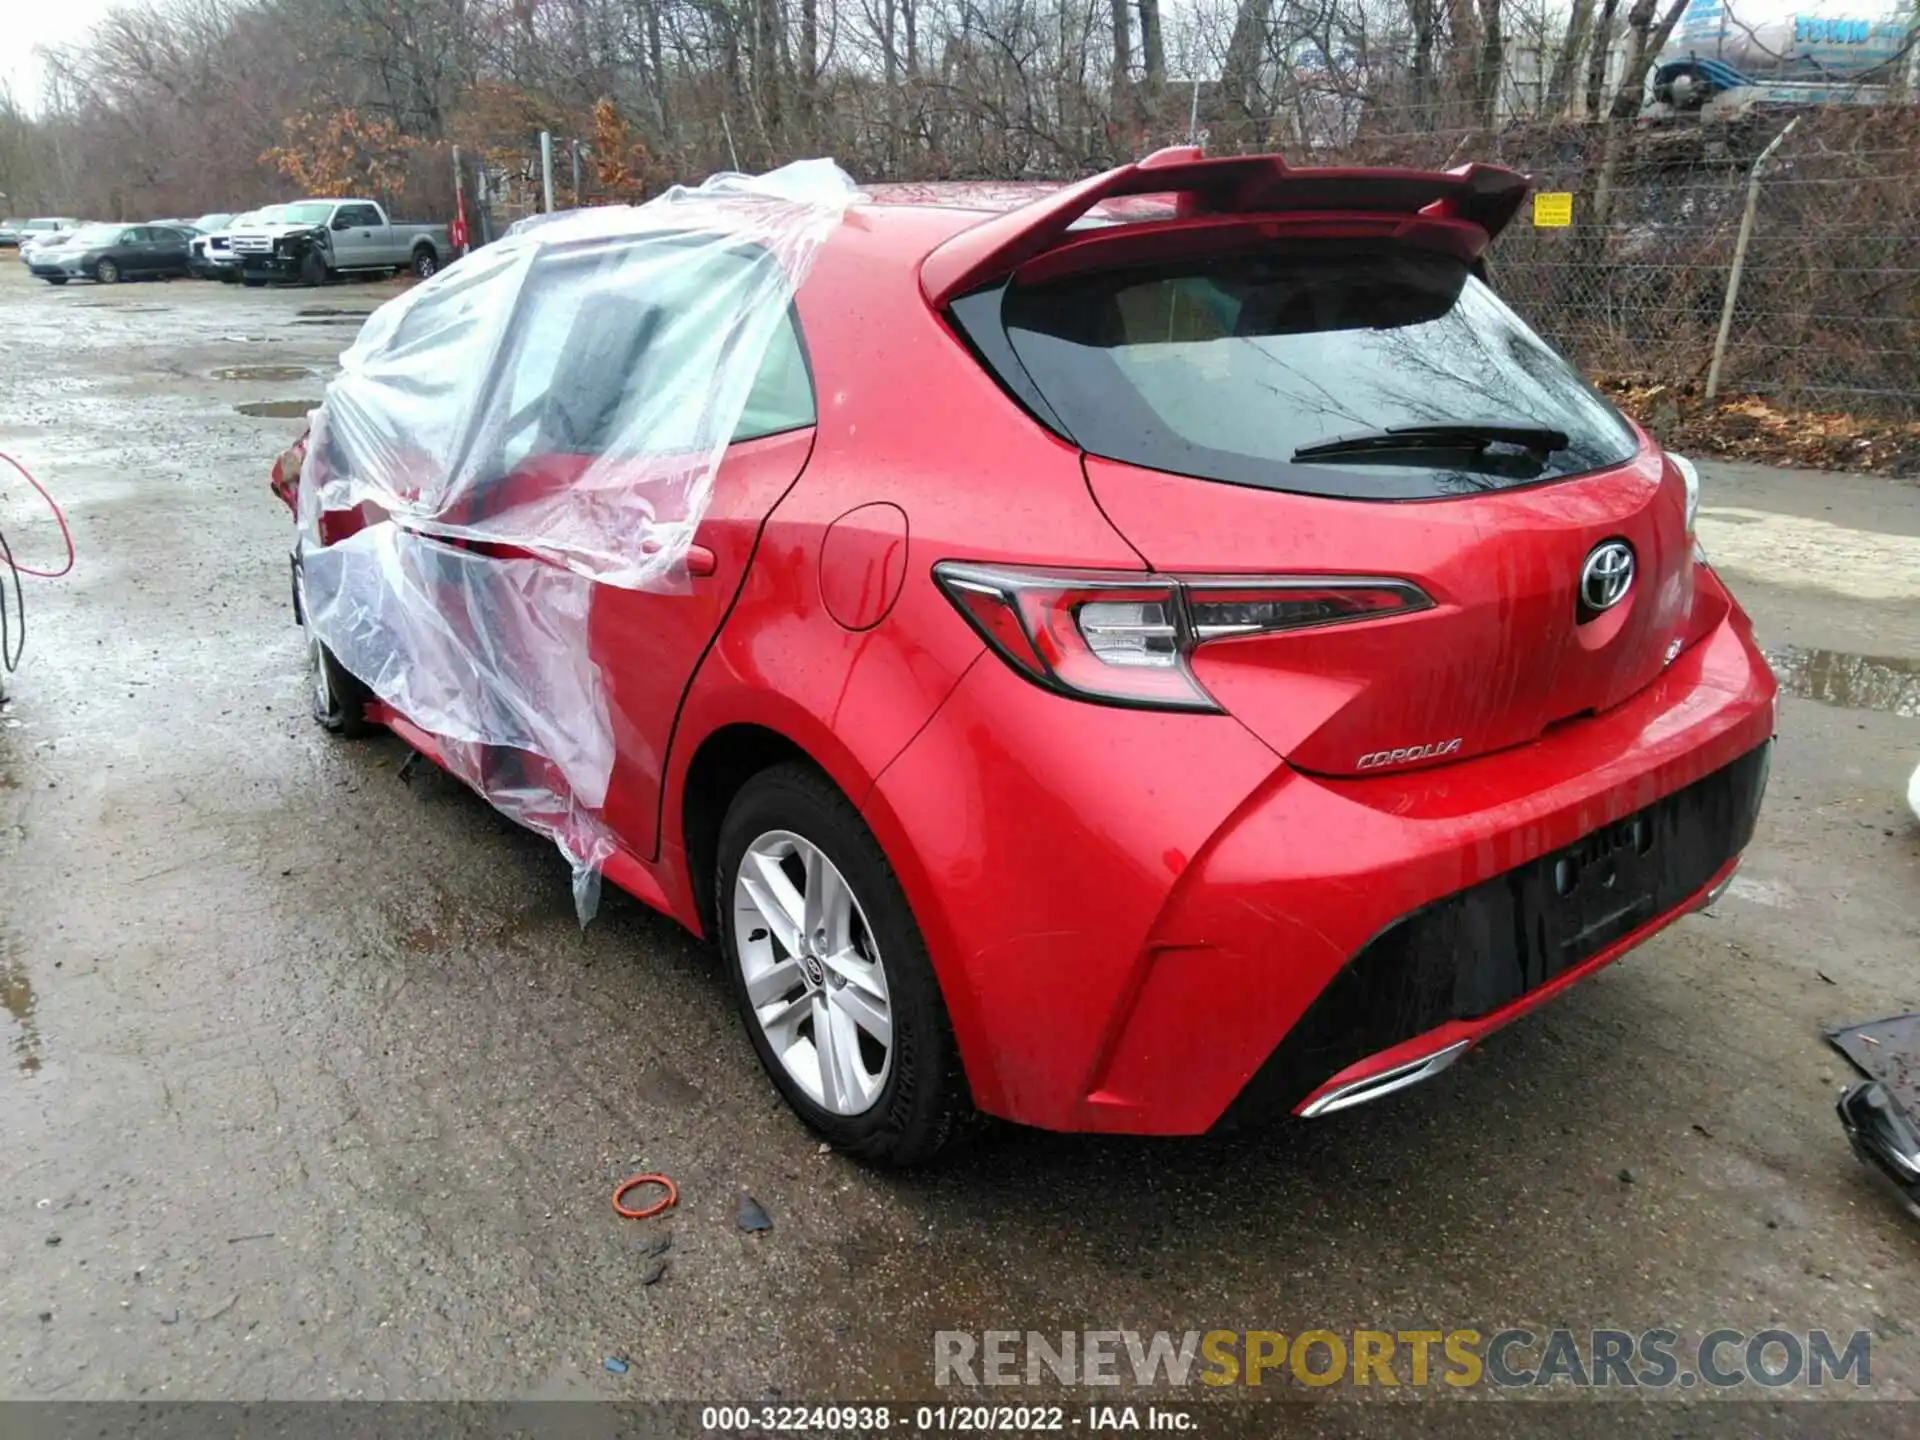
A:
1224	368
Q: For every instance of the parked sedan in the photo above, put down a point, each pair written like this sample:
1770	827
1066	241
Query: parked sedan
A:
1176	652
110	253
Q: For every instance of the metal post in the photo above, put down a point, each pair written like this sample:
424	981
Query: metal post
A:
1740	261
483	202
546	169
573	147
460	196
1193	115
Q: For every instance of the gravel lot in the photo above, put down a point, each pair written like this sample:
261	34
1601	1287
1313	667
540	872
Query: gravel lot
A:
310	1086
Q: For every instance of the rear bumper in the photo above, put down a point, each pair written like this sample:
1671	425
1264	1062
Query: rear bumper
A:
1171	930
1439	980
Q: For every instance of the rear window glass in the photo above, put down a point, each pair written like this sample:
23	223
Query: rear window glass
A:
1225	368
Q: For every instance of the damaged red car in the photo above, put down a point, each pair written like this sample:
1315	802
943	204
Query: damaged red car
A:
1153	655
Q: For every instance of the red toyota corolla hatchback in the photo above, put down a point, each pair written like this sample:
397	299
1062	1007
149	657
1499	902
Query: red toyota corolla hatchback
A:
1158	653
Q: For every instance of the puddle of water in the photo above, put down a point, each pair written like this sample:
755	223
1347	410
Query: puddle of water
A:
351	322
123	309
278	409
262	372
333	310
1855	682
16	998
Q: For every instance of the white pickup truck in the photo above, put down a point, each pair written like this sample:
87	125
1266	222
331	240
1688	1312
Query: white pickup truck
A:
313	240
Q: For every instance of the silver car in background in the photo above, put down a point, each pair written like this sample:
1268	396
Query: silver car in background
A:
41	229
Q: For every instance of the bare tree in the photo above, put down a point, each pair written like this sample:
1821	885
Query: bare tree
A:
1597	54
1644	41
1572	46
1487	69
1153	50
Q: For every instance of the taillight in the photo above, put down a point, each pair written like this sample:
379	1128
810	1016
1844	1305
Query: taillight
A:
1126	638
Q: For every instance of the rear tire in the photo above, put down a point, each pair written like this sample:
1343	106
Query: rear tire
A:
864	968
335	694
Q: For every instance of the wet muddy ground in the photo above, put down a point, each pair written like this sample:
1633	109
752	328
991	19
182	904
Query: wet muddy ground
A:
311	1086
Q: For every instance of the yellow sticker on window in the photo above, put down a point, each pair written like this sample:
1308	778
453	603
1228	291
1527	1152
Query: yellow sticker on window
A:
1552	209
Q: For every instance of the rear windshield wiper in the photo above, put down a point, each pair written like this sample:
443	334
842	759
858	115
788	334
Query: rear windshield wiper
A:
1540	439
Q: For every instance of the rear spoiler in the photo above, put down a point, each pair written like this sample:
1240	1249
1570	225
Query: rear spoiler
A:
1487	196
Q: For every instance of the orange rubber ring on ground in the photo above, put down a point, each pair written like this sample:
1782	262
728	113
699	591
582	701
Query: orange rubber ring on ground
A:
665	1202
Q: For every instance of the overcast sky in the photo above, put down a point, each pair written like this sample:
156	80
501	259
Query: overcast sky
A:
40	22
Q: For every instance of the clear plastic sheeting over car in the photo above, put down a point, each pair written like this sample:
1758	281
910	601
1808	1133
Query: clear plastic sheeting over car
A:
543	418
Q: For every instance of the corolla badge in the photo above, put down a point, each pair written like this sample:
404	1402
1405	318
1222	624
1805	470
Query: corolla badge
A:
1406	753
1606	577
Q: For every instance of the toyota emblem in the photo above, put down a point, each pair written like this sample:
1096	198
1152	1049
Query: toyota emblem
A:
1606	577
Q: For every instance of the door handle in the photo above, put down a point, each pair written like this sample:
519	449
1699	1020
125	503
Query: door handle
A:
701	560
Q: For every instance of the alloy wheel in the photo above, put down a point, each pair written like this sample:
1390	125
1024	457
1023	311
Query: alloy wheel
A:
813	972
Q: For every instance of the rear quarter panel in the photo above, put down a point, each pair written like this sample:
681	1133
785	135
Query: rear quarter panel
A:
907	419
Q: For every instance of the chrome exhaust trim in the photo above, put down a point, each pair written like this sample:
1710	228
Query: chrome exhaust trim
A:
1372	1087
1715	895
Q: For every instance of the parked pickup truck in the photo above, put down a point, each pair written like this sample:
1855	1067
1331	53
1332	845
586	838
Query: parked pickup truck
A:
313	240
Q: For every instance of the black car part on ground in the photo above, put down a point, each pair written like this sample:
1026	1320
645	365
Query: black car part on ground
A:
1881	1115
1469	954
1883	1135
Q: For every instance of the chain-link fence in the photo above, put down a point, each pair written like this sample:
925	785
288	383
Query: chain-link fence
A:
1630	280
